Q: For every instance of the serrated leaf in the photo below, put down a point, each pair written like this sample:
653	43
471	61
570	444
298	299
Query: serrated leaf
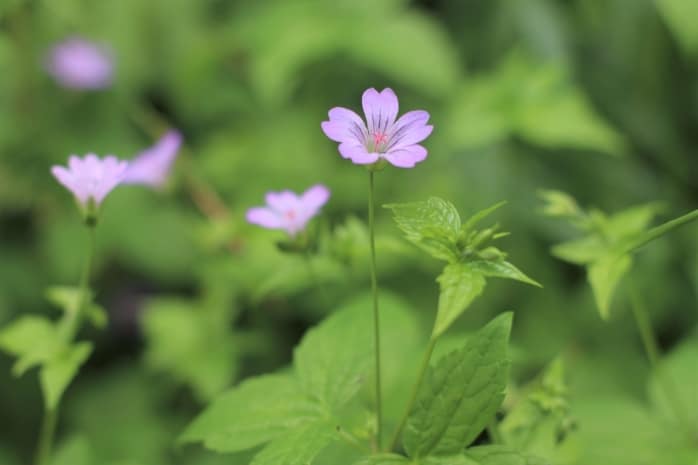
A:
259	410
57	373
501	269
299	447
333	358
459	285
461	394
604	276
433	225
503	455
32	339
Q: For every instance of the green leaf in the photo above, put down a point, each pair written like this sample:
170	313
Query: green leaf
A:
334	357
604	276
383	459
479	216
74	451
299	447
33	339
559	204
69	299
501	269
461	394
184	341
502	455
57	373
581	251
259	410
459	285
680	16
434	225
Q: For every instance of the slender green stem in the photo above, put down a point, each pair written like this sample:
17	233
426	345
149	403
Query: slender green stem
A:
660	230
649	342
376	320
48	428
415	391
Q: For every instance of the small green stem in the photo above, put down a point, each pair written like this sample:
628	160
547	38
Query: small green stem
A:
48	428
415	392
376	320
649	343
660	230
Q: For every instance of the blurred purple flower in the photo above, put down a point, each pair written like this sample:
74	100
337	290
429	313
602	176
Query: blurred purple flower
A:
91	178
384	137
286	210
152	166
78	64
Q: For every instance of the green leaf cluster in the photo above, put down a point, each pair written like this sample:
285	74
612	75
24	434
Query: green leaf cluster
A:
435	226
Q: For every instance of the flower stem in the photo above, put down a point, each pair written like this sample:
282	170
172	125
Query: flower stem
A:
376	321
48	427
649	342
415	391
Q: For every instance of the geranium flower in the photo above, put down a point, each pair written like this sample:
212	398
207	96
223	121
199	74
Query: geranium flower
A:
78	64
152	166
91	178
288	211
383	137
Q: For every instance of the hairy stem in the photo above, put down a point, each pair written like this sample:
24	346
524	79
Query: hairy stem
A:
376	320
48	428
415	392
649	342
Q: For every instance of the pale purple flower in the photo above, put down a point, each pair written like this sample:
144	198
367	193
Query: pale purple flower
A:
289	211
91	178
397	141
78	64
152	166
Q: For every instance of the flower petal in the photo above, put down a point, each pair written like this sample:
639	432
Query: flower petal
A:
264	217
357	153
314	198
344	126
410	129
406	157
152	166
282	201
380	109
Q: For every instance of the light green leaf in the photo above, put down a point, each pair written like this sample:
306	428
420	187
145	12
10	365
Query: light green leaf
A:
69	299
680	16
333	358
184	341
299	447
501	269
383	459
502	455
479	216
57	373
434	225
581	251
629	222
259	410
559	204
33	339
604	276
461	394
73	451
459	285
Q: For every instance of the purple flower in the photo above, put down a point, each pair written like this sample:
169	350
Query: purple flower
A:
383	137
286	210
152	166
91	178
78	64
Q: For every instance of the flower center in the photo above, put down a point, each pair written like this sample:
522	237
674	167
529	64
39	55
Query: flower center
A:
290	215
378	142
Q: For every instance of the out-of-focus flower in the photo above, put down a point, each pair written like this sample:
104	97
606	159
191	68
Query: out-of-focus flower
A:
152	166
383	136
91	178
289	211
78	64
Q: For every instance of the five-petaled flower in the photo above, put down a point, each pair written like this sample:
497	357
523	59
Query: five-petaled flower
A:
289	211
382	137
78	64
90	178
152	166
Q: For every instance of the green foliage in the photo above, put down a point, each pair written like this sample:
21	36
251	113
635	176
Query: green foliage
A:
502	455
435	226
679	15
461	394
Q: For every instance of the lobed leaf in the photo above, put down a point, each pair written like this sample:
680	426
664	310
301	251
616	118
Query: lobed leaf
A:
461	394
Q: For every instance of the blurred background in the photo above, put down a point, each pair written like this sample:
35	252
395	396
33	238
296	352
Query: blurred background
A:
598	98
